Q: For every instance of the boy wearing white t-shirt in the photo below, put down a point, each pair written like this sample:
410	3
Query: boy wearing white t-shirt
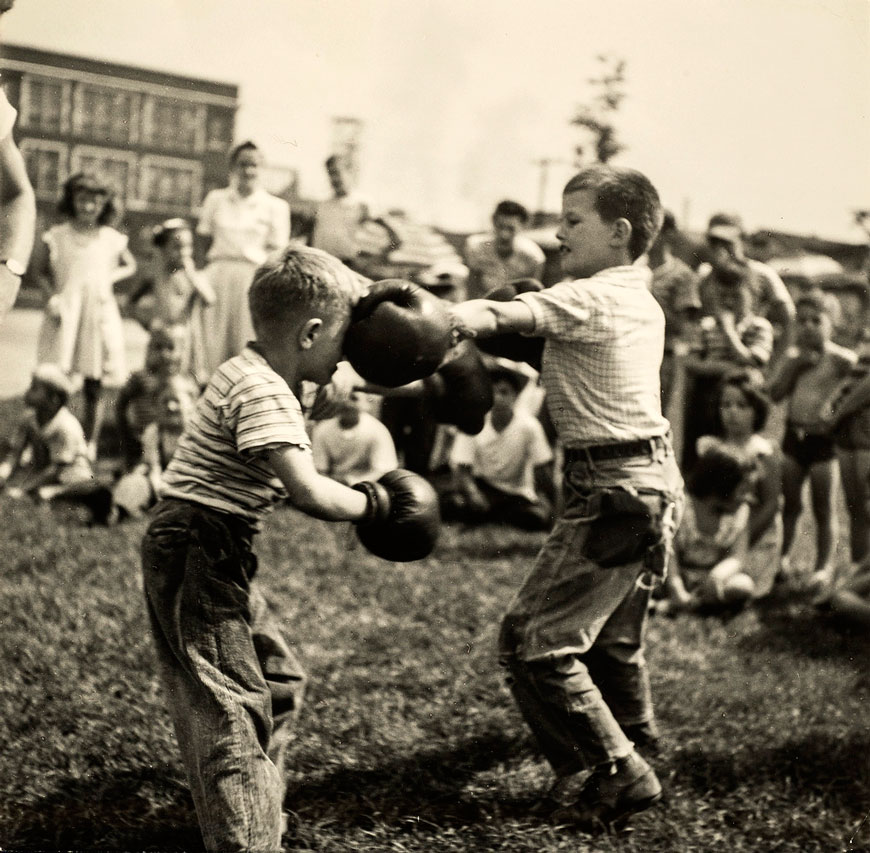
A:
354	445
497	471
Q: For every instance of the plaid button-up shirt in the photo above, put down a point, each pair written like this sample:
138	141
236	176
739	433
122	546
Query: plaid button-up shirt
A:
604	339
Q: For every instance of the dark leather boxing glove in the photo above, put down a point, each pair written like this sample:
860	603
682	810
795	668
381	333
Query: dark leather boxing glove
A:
403	519
460	391
513	346
398	333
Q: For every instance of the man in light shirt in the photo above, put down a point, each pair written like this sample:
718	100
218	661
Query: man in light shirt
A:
504	255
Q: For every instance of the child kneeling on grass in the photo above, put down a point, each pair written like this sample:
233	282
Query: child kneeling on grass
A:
233	685
711	544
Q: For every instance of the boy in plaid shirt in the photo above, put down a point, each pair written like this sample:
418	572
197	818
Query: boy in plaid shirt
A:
572	640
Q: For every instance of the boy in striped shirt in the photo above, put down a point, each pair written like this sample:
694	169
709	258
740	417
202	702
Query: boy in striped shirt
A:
232	683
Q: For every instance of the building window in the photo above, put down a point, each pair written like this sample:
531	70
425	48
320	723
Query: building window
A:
116	168
173	124
105	114
46	166
44	103
220	131
170	183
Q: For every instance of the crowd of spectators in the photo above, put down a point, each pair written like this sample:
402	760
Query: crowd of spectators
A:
738	346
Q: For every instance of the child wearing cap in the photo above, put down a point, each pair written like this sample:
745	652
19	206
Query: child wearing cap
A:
499	473
60	463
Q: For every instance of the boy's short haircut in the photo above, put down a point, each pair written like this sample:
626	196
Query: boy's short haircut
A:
726	223
247	145
752	390
718	473
511	208
298	279
514	378
622	193
161	233
815	298
53	377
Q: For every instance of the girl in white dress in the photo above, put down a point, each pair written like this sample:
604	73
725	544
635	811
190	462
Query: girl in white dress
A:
242	224
82	331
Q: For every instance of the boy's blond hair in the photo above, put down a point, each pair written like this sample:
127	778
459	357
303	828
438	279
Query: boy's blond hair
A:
300	279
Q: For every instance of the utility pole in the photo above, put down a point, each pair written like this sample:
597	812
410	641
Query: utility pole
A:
543	165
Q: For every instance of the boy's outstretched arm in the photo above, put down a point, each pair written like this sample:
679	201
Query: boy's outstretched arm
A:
312	492
485	318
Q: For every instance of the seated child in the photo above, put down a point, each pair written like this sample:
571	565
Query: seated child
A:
354	445
809	378
177	294
136	406
500	472
742	410
851	600
59	464
711	543
138	489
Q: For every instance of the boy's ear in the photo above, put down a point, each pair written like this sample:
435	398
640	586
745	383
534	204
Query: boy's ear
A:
309	331
621	231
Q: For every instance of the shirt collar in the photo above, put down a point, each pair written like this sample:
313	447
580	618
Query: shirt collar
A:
635	276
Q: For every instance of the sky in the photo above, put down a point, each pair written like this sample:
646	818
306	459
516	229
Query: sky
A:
755	106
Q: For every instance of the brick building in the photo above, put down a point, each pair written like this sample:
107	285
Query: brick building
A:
161	139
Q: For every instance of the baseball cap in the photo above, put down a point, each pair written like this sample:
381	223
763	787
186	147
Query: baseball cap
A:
725	226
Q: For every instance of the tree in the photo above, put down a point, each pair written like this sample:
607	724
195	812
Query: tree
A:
597	117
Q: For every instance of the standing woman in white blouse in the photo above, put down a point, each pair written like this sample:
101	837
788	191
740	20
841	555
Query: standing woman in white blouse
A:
243	224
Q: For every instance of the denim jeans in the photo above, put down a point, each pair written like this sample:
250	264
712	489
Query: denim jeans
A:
232	684
572	640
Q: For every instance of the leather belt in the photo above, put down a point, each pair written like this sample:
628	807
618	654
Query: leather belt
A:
617	450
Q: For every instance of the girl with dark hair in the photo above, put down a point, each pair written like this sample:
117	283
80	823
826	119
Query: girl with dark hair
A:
84	258
740	415
241	225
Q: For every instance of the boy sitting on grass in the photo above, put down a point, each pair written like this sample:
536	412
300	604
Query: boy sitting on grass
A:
354	445
497	472
52	435
232	683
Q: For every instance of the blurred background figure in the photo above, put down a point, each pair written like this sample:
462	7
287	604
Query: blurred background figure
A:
177	294
338	218
83	258
505	254
502	474
240	225
675	287
354	445
768	296
17	204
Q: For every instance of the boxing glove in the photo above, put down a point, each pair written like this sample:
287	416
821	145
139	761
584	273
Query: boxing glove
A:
514	346
460	391
403	518
399	333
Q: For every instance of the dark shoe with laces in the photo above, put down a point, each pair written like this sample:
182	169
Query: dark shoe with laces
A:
613	795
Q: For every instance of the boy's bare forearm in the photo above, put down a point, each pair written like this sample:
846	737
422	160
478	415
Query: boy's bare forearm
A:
485	318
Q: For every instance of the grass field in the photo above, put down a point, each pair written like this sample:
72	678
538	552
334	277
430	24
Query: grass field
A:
409	740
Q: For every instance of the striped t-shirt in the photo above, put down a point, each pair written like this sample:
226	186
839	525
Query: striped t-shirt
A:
246	409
